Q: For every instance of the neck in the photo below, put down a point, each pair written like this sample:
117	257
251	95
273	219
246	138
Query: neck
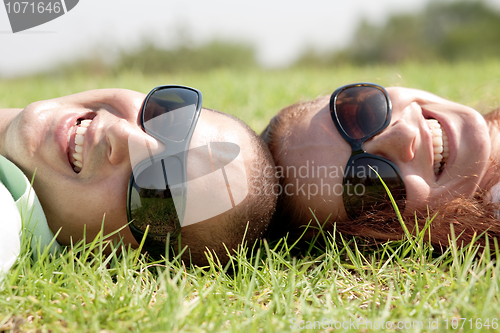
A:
6	118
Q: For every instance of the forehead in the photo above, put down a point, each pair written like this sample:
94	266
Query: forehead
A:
312	161
314	137
213	126
217	177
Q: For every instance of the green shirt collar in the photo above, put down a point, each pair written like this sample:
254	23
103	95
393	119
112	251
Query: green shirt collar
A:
34	221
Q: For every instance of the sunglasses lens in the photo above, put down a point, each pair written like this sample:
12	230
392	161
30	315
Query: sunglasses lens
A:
156	195
363	191
153	195
361	111
169	112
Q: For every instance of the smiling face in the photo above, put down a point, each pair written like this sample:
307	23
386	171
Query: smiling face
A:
440	147
81	191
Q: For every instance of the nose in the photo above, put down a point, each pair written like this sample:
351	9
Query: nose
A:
130	144
117	136
396	143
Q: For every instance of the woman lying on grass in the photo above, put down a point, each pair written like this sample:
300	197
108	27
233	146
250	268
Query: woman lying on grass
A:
436	157
101	158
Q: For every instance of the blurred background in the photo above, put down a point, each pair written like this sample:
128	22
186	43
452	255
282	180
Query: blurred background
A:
157	35
255	57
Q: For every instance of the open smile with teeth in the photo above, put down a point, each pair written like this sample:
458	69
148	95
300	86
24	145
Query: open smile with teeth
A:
75	155
440	144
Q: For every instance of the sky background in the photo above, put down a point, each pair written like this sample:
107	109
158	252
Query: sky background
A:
278	29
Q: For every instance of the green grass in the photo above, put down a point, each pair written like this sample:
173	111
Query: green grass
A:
269	287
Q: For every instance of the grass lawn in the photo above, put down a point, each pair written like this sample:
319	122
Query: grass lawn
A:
397	286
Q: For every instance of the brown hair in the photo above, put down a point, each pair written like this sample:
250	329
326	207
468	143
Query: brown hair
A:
290	215
469	217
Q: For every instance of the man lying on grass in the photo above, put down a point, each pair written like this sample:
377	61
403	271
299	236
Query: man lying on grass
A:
102	158
436	156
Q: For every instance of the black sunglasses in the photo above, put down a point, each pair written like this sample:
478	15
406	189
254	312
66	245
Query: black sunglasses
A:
156	195
360	111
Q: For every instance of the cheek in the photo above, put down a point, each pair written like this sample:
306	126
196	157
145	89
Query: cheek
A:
320	192
21	147
417	194
420	196
76	209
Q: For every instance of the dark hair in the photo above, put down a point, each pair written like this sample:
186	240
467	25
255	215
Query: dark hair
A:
469	217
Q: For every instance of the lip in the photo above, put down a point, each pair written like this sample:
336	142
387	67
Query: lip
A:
452	147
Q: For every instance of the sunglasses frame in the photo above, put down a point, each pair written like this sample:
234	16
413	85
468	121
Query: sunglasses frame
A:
155	243
357	150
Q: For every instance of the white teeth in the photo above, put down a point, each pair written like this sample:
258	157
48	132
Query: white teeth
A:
78	157
440	145
79	139
81	129
437	141
437	131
